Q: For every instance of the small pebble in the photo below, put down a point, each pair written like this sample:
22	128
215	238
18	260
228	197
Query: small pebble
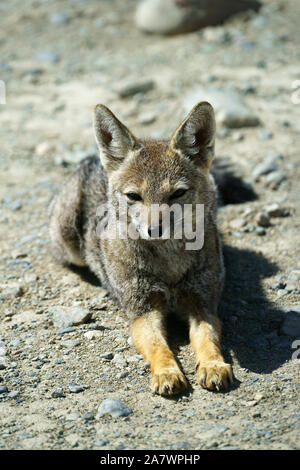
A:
133	88
48	56
93	334
59	18
260	231
75	388
262	219
59	393
114	408
265	134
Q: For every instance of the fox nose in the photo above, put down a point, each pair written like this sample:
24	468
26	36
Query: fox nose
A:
155	231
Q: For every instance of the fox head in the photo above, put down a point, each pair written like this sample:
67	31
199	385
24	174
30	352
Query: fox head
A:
154	175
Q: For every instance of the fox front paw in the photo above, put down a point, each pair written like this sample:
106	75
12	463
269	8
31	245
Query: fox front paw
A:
214	375
168	383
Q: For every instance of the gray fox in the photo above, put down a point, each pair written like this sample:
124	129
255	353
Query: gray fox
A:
151	276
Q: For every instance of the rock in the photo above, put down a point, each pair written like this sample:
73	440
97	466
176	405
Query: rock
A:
247	45
72	439
169	17
259	21
229	107
108	356
278	285
5	68
211	432
48	56
134	358
43	148
147	118
3	389
275	179
216	34
134	87
72	417
180	445
3	363
248	88
265	134
281	292
58	393
75	388
3	350
264	168
291	285
63	317
88	416
101	442
14	343
71	343
122	375
12	205
259	396
294	274
251	403
59	18
93	334
30	277
291	323
262	220
119	360
237	224
260	231
237	137
64	331
12	292
114	408
274	157
274	210
26	435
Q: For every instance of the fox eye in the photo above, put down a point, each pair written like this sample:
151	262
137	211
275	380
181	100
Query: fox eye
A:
134	196
178	193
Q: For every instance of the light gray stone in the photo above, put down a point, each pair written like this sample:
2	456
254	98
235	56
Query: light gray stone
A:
125	90
48	56
59	18
114	408
231	111
63	317
274	210
264	168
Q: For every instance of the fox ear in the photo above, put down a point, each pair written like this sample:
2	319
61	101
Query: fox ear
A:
113	138
195	136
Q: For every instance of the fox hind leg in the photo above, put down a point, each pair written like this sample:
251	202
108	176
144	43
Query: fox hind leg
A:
65	214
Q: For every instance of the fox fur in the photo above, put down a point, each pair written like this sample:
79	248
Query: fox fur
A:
151	278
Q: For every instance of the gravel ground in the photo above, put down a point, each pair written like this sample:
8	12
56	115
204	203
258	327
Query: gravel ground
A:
60	58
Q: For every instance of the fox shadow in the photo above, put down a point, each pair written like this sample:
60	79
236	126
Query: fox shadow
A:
249	320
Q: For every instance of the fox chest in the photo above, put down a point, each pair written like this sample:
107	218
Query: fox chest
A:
170	266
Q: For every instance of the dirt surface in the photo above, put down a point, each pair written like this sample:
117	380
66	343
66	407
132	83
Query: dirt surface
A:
55	72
